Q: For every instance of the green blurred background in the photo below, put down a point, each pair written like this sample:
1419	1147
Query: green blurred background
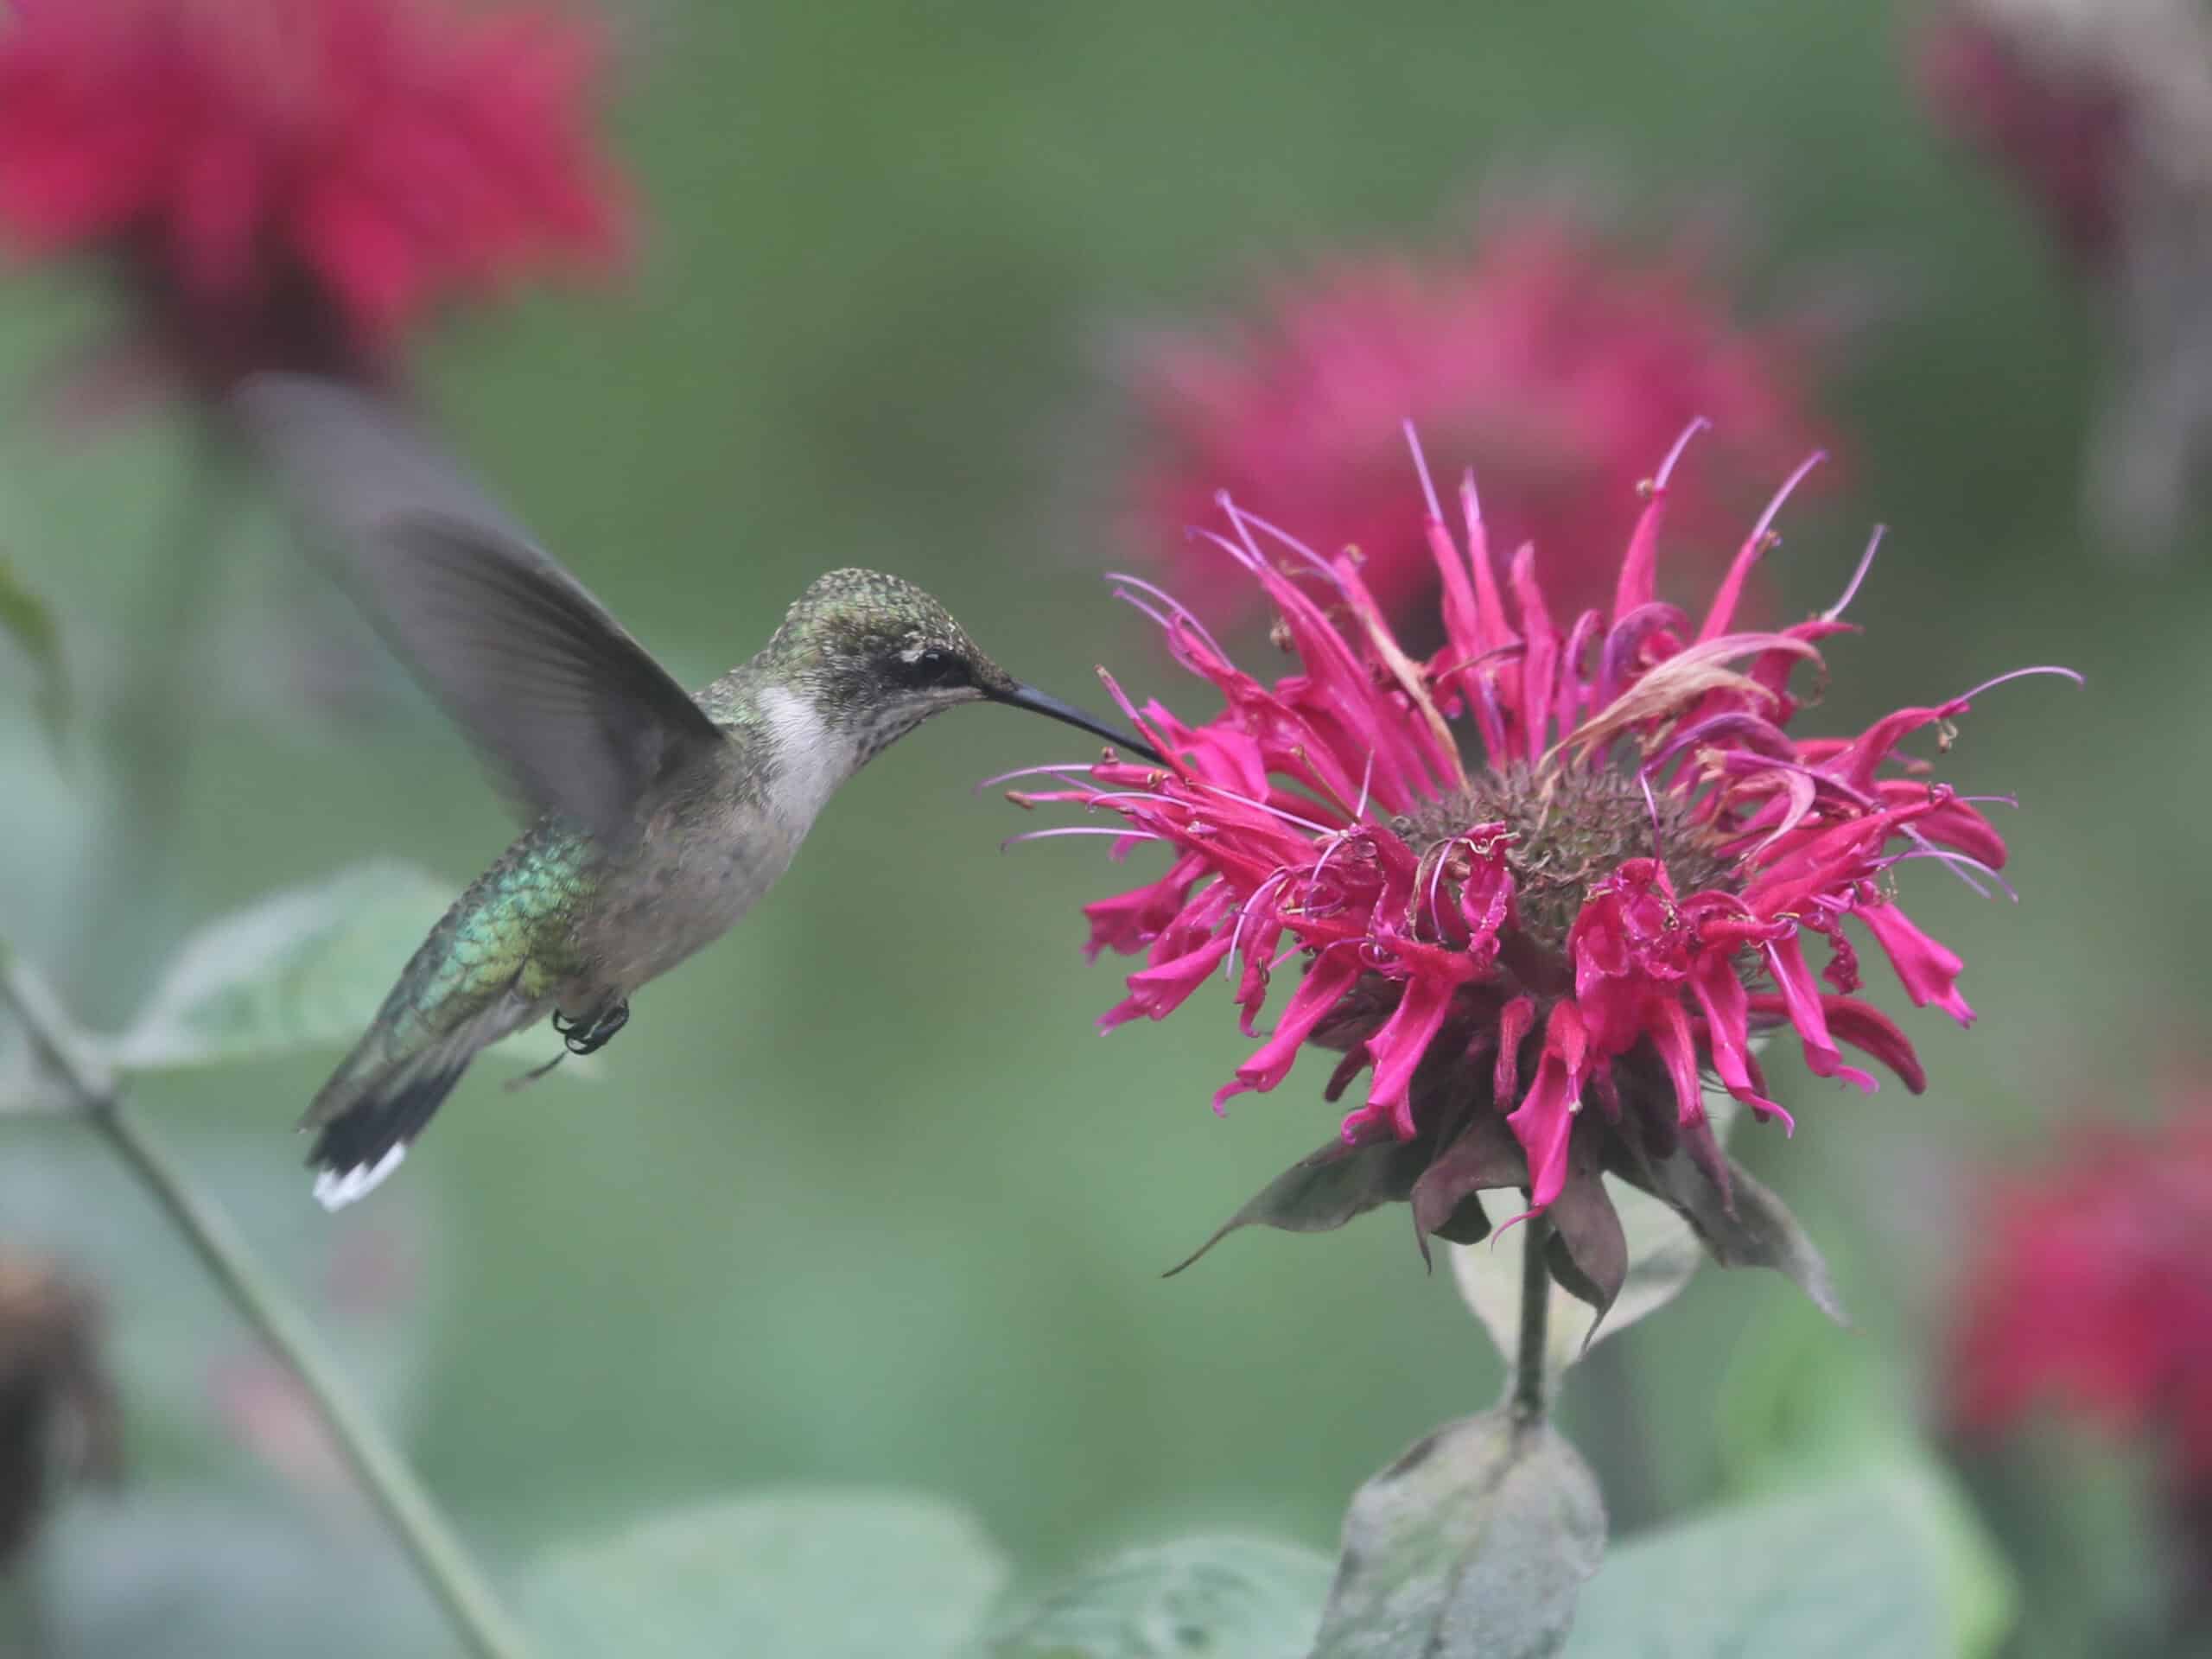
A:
860	1195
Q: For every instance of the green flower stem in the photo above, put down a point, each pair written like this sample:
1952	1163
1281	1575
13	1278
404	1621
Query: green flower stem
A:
1536	1314
438	1554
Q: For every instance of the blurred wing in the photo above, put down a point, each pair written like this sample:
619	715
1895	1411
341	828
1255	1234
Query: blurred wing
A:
570	714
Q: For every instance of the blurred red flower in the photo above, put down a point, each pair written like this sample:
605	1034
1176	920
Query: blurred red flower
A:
2102	113
2059	121
296	182
1601	899
1554	357
2092	1290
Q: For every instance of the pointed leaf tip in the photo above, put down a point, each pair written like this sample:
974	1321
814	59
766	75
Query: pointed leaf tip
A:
1746	1225
1321	1191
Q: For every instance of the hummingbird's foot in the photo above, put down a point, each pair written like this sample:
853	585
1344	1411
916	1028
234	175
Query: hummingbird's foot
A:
535	1072
594	1031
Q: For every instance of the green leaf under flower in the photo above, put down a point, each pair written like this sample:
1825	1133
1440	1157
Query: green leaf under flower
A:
1195	1599
1473	1545
1828	1573
822	1574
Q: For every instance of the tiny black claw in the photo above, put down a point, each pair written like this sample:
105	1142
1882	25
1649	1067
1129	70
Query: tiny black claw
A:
589	1035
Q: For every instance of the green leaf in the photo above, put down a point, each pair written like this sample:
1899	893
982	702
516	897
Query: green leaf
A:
1196	1599
1473	1545
828	1575
1829	1573
1751	1229
305	968
28	621
1324	1190
302	969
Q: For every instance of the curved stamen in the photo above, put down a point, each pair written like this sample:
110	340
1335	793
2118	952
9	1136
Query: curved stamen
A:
1865	563
1158	619
1104	796
1922	843
1421	466
1243	914
1176	607
1755	548
1250	561
1788	487
1652	805
2063	673
1227	793
1957	860
1080	830
1067	772
1666	467
1239	516
1337	838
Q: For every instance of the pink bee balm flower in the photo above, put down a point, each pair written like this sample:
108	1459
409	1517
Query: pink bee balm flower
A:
296	182
1540	884
2092	1289
1556	358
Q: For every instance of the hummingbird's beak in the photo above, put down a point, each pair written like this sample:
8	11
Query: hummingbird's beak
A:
1043	702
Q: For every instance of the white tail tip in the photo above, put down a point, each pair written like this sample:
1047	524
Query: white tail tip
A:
335	1189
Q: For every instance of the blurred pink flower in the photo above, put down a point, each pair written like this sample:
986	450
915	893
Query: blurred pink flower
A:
1599	899
2092	1291
1554	357
2102	112
2057	122
298	182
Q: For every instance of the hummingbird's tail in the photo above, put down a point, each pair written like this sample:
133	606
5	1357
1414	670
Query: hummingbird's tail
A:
364	1142
371	1110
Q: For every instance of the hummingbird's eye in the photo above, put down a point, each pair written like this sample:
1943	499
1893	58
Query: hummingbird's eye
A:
934	667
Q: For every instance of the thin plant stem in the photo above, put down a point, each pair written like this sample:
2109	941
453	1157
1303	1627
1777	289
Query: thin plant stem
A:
1527	1397
407	1507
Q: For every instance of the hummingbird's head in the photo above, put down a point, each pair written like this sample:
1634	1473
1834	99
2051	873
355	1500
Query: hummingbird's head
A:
875	656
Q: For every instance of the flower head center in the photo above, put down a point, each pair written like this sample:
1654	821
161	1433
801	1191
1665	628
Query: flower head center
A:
1570	829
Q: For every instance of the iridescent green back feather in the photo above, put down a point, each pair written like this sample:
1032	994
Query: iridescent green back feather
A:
508	931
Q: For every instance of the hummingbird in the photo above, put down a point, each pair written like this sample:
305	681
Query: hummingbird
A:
656	818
